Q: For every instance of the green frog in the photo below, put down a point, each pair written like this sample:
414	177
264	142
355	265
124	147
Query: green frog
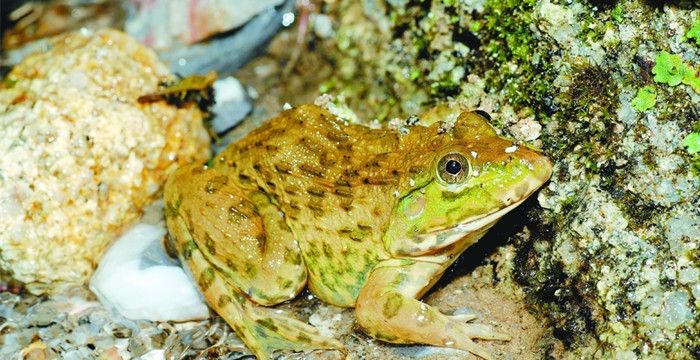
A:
366	218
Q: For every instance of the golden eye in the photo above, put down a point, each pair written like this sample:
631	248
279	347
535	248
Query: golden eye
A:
453	168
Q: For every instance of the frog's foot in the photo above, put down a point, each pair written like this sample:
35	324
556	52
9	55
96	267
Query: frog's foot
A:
263	330
266	332
387	310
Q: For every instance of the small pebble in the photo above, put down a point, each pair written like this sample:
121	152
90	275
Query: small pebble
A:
511	149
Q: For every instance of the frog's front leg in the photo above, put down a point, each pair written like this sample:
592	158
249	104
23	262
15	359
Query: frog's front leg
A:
387	309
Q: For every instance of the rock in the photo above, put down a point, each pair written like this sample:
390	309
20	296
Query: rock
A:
232	104
139	280
162	24
76	186
37	351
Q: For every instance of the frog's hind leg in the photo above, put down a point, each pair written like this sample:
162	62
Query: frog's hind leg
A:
239	249
263	330
387	309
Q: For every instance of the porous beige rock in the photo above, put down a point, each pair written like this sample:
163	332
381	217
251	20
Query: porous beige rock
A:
81	156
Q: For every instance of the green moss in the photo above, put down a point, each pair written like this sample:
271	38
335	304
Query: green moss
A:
617	13
670	69
692	79
645	99
694	32
507	40
587	116
692	142
328	86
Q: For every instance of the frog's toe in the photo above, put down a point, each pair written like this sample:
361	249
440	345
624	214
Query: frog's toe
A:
468	345
275	332
480	331
306	335
463	317
386	309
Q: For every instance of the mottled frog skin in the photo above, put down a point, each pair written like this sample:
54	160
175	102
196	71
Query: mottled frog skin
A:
366	218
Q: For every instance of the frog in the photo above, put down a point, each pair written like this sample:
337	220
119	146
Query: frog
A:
364	217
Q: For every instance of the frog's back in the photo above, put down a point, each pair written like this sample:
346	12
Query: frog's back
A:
328	179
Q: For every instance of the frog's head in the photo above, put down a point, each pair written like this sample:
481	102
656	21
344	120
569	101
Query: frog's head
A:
469	178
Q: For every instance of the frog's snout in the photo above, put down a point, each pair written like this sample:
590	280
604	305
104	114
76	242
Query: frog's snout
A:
540	170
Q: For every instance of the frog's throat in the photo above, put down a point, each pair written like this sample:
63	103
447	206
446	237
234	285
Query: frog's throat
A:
453	233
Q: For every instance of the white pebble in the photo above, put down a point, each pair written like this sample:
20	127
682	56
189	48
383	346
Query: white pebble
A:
140	281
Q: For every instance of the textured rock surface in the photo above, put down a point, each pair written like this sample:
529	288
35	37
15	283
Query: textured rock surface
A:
610	253
80	155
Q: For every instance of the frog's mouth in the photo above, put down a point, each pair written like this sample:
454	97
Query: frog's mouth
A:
443	236
439	238
481	222
453	233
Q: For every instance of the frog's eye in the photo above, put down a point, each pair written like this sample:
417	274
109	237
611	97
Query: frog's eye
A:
486	116
453	168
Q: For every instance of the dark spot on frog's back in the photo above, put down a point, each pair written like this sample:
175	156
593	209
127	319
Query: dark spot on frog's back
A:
244	178
172	208
344	147
380	161
250	269
364	227
346	205
284	283
415	170
231	265
350	174
344	191
378	181
197	170
336	136
316	191
313	252
327	250
326	160
311	170
283	168
316	207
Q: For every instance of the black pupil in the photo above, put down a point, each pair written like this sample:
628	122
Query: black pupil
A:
453	167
